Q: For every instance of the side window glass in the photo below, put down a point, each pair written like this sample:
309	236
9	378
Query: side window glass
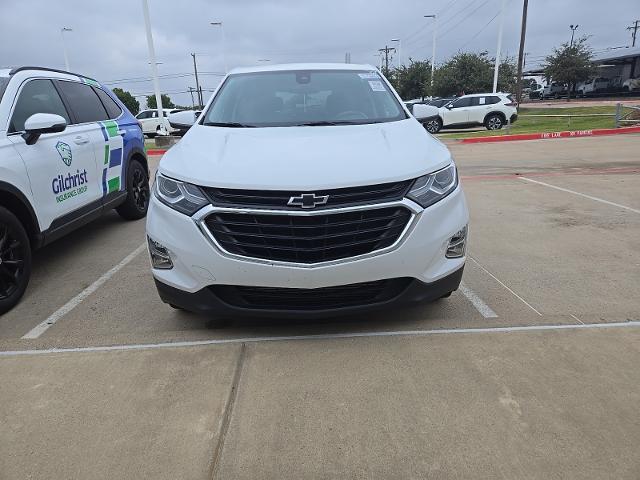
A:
83	101
112	107
36	96
462	102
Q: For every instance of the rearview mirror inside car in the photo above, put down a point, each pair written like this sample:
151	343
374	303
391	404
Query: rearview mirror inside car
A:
41	123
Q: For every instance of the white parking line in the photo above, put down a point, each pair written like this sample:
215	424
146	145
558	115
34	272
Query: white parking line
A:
406	333
75	301
607	202
484	309
501	283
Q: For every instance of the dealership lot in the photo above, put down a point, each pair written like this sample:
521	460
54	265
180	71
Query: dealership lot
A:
555	248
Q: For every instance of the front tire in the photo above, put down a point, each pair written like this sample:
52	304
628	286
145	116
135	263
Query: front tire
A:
493	122
138	192
15	260
434	125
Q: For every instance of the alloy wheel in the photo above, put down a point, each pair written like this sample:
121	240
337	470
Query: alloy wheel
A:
11	261
140	189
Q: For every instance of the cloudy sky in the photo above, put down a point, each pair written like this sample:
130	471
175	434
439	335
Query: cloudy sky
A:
108	40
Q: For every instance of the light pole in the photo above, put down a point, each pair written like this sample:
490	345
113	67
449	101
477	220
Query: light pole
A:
397	40
433	52
64	46
497	66
224	43
573	30
152	61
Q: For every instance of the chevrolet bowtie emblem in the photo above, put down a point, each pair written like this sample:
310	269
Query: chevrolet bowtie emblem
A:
308	200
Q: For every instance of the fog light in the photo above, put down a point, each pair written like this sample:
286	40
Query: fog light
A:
457	244
160	257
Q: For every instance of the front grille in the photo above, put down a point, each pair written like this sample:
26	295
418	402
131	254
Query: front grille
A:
326	298
338	197
308	239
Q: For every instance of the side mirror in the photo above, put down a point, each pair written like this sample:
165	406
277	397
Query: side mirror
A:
449	106
182	120
41	123
421	111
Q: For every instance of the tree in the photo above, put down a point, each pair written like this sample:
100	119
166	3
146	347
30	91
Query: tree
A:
129	100
166	101
570	64
412	81
469	72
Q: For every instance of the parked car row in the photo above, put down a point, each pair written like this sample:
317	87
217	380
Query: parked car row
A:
586	88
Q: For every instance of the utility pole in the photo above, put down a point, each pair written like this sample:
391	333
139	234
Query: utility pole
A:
195	69
386	51
634	31
521	54
573	30
193	105
152	61
497	67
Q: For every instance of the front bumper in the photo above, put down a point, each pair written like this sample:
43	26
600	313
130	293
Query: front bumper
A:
207	302
198	263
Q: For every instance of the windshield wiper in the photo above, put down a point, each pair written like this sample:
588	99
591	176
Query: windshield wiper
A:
228	124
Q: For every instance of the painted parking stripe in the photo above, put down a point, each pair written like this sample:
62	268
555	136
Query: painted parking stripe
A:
504	285
75	301
601	200
405	333
484	309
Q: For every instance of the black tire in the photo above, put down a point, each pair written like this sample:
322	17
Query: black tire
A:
433	125
493	121
138	192
15	260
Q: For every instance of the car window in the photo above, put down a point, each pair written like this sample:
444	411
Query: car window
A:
83	101
4	81
462	102
303	97
112	107
492	100
37	96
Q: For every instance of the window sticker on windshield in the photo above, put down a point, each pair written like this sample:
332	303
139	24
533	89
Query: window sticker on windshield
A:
368	75
482	99
376	86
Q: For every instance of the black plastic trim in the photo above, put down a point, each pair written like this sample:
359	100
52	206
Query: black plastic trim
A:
206	302
45	69
7	187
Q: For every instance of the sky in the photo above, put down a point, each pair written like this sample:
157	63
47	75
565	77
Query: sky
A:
108	39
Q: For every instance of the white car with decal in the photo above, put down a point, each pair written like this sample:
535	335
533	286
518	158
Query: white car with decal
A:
69	151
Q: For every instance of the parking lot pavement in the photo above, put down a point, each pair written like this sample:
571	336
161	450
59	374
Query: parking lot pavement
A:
554	241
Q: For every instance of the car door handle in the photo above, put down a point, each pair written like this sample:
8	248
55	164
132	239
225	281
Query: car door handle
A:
81	140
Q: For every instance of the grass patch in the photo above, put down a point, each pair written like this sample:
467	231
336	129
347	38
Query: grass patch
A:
549	124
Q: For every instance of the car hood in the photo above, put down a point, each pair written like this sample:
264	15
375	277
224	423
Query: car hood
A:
304	158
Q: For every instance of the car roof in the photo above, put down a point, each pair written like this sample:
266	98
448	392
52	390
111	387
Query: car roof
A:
15	70
483	94
302	66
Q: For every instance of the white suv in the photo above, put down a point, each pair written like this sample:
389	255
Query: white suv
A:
152	125
305	190
69	151
492	110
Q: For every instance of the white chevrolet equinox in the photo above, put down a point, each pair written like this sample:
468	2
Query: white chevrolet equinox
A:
305	190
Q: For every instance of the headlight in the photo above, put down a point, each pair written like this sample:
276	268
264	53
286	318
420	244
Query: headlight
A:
181	196
429	189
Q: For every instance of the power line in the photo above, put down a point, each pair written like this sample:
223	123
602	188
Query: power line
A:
464	18
480	31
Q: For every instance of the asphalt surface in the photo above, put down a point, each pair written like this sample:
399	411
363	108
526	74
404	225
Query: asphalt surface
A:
529	371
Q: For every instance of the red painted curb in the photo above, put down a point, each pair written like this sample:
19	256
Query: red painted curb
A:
156	151
547	135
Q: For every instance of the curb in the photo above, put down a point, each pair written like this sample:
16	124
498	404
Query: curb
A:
548	135
156	151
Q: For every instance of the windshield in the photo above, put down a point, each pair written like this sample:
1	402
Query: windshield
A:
303	97
3	84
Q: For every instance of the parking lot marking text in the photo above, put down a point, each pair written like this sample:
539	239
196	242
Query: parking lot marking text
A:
601	200
75	301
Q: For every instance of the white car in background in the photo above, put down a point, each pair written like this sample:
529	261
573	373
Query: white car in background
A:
151	124
631	85
594	85
493	110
